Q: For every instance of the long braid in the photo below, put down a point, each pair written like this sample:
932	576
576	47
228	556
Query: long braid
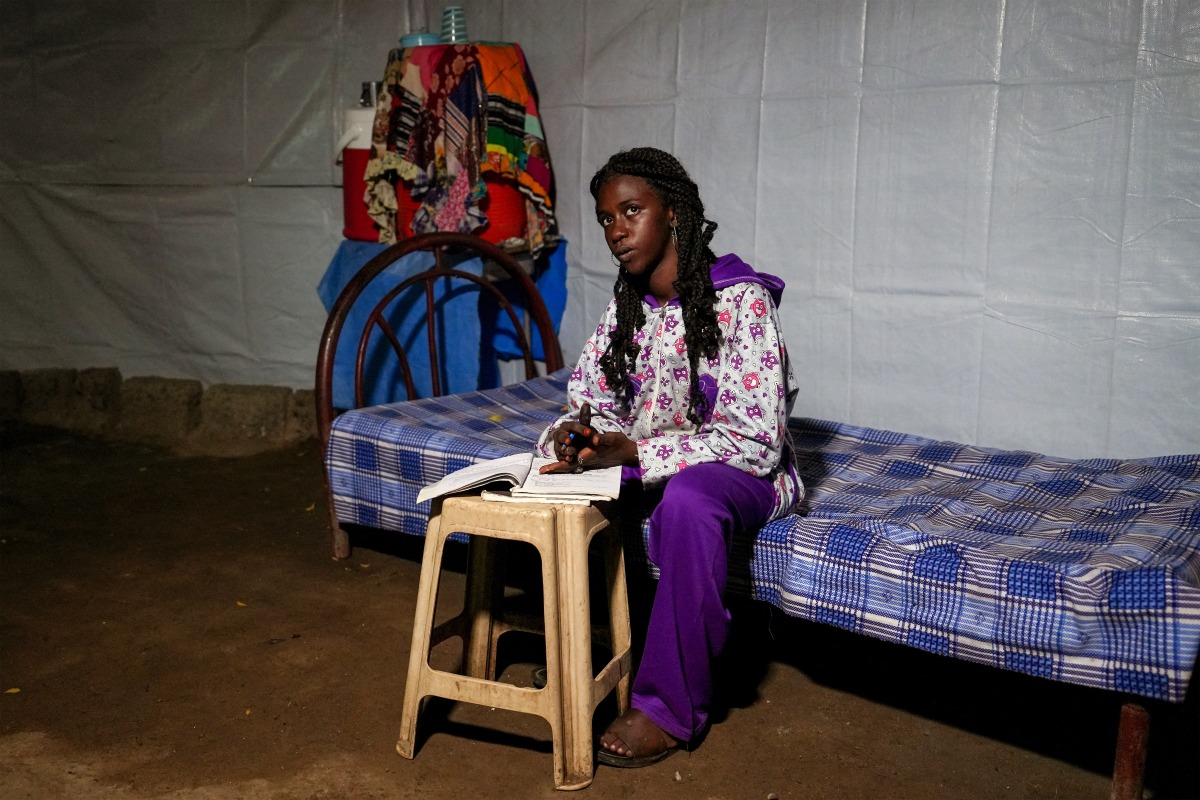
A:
693	282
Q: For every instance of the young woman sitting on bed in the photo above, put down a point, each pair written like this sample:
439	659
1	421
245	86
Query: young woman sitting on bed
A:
686	384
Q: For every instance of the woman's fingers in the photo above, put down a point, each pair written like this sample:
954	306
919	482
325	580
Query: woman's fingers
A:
572	438
557	466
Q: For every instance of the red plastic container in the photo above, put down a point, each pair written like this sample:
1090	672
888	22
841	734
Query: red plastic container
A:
504	206
358	223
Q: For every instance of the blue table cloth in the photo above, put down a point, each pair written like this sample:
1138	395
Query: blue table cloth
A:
465	313
1082	571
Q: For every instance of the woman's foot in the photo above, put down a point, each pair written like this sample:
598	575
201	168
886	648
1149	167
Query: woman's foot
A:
633	740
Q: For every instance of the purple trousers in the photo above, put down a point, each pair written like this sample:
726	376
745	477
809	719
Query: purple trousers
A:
691	527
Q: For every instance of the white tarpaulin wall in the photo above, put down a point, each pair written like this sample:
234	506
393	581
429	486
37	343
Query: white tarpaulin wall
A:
987	211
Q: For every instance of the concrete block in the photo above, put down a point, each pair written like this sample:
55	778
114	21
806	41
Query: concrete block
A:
12	394
302	419
85	401
47	395
242	419
225	420
98	393
159	410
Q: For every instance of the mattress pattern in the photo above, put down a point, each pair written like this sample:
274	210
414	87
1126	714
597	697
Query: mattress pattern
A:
1085	571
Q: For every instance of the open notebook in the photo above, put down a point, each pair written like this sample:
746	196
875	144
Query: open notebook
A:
520	471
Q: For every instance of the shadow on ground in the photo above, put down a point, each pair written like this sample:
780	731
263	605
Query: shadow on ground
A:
175	628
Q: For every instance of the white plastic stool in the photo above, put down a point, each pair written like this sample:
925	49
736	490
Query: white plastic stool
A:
561	533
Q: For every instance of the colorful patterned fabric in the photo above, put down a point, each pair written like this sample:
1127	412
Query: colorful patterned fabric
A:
448	116
749	386
1080	571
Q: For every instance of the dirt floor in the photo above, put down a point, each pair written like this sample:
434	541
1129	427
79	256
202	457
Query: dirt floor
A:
175	628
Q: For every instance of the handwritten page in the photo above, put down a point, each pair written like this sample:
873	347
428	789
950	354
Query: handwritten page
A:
597	483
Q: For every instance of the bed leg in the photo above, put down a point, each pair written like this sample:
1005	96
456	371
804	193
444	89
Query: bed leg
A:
341	544
1129	766
338	537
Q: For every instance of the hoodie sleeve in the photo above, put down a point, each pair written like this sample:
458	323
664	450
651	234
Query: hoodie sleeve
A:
588	385
750	395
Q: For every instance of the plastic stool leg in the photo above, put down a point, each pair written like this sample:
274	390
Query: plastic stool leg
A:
552	587
479	652
418	657
620	633
576	652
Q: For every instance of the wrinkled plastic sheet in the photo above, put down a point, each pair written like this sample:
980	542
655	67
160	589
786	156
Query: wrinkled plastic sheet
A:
986	212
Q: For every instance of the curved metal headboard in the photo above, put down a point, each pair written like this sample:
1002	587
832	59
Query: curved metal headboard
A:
439	244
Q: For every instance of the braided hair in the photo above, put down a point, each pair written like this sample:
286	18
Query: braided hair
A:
678	192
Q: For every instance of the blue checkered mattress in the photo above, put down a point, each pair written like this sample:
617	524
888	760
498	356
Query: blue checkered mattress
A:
1081	571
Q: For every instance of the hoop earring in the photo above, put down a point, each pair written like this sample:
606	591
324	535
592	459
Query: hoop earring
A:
613	257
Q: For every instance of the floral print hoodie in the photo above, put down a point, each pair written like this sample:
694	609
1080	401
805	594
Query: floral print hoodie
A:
750	387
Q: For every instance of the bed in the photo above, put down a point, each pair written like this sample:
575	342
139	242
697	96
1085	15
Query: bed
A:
1082	571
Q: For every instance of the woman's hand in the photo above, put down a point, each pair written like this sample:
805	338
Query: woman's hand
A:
578	447
571	437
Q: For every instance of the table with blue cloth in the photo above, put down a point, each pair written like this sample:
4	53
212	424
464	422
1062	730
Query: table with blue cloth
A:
467	314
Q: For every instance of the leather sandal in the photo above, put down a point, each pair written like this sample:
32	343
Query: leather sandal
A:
646	742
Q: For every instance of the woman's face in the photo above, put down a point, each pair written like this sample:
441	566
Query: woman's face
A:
637	226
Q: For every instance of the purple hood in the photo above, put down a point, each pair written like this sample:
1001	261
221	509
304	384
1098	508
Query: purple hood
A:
730	270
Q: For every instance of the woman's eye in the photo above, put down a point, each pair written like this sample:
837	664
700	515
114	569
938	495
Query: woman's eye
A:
631	210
